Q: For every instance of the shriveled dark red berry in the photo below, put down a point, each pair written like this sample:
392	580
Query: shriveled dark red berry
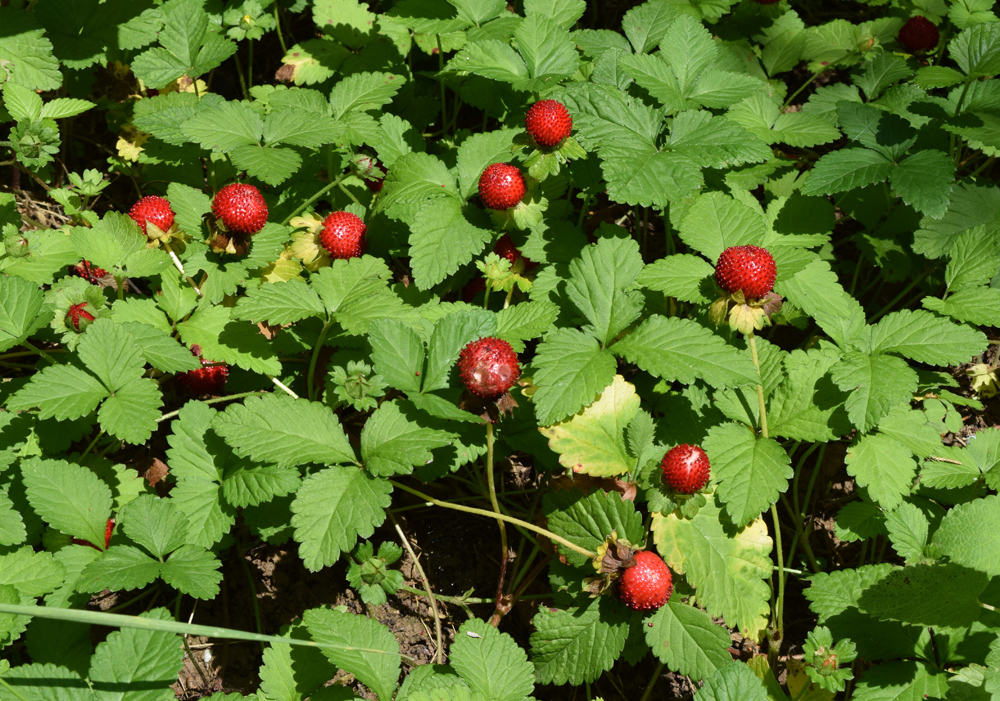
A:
489	367
209	379
90	273
919	34
152	209
501	186
548	122
750	269
685	468
505	248
241	208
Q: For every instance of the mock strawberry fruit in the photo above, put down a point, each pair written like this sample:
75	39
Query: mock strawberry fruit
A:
370	169
343	235
241	208
78	317
208	379
152	209
501	186
548	122
648	584
474	287
685	468
90	273
919	34
747	269
505	248
489	367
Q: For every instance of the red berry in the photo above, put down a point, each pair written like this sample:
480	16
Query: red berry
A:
108	530
152	209
488	367
749	269
90	273
241	208
501	186
548	122
685	468
919	34
505	248
648	584
343	235
475	286
78	317
209	379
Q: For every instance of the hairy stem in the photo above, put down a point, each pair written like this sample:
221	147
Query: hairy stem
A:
491	484
427	588
311	390
308	203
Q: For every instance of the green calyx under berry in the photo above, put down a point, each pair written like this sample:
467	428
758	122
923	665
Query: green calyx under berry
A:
78	317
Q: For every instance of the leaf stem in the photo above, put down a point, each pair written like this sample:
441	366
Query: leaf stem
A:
215	400
315	356
504	553
895	300
34	349
427	588
652	682
498	516
305	205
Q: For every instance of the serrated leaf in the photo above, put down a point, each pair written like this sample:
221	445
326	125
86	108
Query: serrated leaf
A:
902	680
727	568
924	181
279	303
131	413
578	644
284	431
600	285
876	384
194	571
908	528
751	470
491	662
588	520
154	524
716	221
393	444
451	334
332	508
926	338
119	567
734	682
109	352
137	664
415	177
479	151
376	664
519	322
816	290
847	169
397	353
684	276
12	530
807	406
570	370
442	239
973	260
61	392
224	128
20	304
69	497
681	349
942	594
593	441
686	640
884	467
969	534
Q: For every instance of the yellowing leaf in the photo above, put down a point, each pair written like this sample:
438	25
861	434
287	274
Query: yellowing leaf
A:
798	680
593	441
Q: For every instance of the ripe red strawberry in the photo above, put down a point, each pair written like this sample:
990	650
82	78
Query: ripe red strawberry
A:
78	317
685	468
919	34
152	209
648	584
210	379
747	268
489	367
501	186
343	235
505	248
241	208
548	122
90	273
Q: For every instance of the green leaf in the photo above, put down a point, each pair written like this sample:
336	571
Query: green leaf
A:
332	508
684	276
70	498
27	51
924	181
118	245
491	662
977	50
728	568
415	177
45	682
526	320
291	672
159	349
970	206
751	470
734	682
136	664
491	59
716	221
224	128
816	290
31	573
759	115
132	412
154	524
969	534
12	530
881	72
928	77
119	567
24	105
194	571
884	466
392	443
187	46
63	107
588	520
20	304
908	530
376	664
600	285
807	406
398	354
645	25
272	165
279	303
847	169
364	91
284	431
942	594
570	369
902	680
443	239
973	260
681	349
687	641
593	441
355	293
926	338
876	384
547	50
578	644
62	392
110	352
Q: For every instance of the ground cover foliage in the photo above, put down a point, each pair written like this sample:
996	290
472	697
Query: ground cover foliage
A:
332	400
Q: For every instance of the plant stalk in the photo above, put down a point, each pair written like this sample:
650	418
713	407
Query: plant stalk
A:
504	553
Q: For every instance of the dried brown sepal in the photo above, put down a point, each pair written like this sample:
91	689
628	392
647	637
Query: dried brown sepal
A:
490	410
230	242
771	304
614	555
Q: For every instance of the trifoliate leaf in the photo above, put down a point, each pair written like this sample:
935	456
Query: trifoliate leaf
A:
600	285
876	384
393	443
884	466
